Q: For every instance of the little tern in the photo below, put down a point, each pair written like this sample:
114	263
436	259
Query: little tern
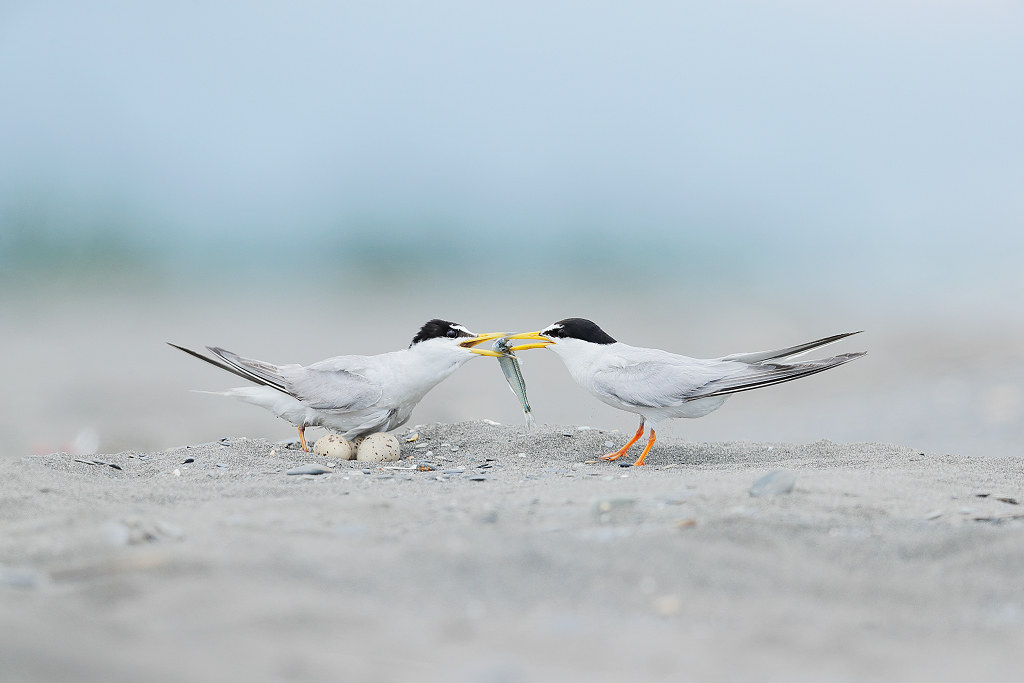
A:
354	395
656	384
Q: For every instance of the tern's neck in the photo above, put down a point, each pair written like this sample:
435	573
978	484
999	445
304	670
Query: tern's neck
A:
580	357
424	365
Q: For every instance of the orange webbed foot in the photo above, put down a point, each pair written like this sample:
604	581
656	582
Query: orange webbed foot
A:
625	449
647	449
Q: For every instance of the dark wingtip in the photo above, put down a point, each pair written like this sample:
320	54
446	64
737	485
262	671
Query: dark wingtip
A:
192	353
211	361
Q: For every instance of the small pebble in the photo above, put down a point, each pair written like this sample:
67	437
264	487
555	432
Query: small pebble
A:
478	478
19	578
608	444
775	483
614	510
667	605
187	461
454	470
309	469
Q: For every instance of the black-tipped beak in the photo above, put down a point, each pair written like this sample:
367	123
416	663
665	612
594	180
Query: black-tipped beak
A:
542	341
480	339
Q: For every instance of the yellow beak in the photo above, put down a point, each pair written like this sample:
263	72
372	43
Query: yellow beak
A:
542	341
480	339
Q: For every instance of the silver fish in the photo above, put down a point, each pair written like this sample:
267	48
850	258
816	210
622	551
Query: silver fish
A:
514	376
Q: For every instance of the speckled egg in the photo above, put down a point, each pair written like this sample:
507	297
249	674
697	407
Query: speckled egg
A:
379	447
335	446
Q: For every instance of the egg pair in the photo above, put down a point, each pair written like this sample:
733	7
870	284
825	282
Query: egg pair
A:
379	447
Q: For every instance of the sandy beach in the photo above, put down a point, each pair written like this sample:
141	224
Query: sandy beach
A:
313	180
516	558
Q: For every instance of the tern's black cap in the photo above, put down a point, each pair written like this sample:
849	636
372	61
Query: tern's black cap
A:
440	328
578	328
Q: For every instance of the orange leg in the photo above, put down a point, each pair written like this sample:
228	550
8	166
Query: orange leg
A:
625	449
302	438
647	449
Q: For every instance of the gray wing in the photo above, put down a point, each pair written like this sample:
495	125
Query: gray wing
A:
335	389
789	352
766	374
657	384
233	364
323	389
253	370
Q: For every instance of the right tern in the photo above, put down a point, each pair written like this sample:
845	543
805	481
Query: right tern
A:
657	385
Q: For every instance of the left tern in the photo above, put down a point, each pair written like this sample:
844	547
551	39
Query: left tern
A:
354	395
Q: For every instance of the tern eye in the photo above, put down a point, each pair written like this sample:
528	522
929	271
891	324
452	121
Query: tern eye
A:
452	334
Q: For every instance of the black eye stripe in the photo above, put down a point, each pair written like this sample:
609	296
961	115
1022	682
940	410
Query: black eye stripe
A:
580	328
438	328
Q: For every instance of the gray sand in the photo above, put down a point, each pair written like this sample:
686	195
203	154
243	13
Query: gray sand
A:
530	564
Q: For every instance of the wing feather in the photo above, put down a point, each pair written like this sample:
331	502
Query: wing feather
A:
324	386
234	369
788	352
333	389
255	370
660	384
767	374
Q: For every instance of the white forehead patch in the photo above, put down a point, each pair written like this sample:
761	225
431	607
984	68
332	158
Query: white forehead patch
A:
462	328
551	328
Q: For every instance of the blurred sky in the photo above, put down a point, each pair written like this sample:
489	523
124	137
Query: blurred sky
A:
298	180
870	140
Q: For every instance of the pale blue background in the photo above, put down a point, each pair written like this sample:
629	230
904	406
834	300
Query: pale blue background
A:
708	177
